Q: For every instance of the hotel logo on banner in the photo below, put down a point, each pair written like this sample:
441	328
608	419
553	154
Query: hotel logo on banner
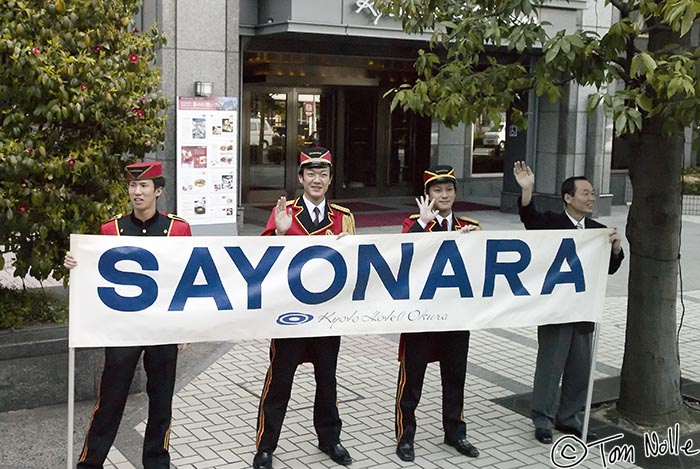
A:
293	319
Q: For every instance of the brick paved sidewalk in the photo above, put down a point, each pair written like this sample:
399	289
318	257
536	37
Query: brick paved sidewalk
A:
214	423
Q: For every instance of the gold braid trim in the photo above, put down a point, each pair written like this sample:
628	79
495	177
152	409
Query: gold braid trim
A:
348	223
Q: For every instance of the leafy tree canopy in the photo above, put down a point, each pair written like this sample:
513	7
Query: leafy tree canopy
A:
79	99
461	78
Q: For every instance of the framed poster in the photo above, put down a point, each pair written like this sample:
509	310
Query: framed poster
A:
207	159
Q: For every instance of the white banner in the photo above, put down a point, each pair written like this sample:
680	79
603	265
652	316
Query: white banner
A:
156	290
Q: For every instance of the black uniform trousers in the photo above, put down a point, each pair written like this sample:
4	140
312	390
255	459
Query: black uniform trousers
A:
285	356
160	362
450	349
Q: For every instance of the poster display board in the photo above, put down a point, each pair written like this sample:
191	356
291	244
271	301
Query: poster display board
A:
207	159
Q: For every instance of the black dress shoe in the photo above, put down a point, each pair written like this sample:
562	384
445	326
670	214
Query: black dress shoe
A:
262	460
463	447
337	453
544	435
405	451
590	436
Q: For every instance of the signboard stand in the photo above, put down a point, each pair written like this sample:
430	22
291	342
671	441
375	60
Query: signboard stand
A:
207	163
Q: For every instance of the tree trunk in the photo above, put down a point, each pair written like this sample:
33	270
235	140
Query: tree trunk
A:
650	382
650	392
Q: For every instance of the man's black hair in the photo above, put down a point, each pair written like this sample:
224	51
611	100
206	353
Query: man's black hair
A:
158	182
438	181
569	186
314	166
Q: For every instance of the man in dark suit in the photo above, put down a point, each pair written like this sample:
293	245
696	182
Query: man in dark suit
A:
450	348
311	214
564	350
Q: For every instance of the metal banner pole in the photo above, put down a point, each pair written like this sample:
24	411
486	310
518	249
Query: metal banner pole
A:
71	404
589	394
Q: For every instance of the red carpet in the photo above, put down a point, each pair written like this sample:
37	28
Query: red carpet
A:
388	216
471	207
360	206
466	207
354	207
364	220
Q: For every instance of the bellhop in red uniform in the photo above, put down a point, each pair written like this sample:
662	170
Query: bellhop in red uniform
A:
313	215
450	348
146	184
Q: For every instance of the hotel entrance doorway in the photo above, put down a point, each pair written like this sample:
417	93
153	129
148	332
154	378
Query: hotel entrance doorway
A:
383	153
376	152
278	124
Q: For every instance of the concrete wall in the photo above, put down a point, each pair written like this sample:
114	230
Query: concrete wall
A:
481	186
202	45
454	148
34	369
620	185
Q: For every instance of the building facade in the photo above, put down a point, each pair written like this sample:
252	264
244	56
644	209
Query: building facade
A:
317	72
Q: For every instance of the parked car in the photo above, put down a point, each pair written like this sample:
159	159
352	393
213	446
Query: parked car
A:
280	130
268	133
495	136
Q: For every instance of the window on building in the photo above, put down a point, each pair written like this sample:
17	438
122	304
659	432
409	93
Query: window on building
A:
488	145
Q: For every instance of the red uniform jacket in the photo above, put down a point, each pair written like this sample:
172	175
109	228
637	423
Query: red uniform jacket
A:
161	224
411	225
337	220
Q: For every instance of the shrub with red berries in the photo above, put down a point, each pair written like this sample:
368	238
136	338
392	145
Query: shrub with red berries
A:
79	99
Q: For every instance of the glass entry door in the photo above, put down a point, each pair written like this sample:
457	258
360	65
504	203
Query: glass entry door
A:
385	152
309	125
361	149
409	153
278	124
376	153
264	146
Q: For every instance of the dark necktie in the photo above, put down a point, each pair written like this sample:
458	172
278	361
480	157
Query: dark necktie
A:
443	224
579	226
317	216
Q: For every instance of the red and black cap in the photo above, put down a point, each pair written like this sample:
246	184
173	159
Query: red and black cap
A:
144	170
435	174
315	157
